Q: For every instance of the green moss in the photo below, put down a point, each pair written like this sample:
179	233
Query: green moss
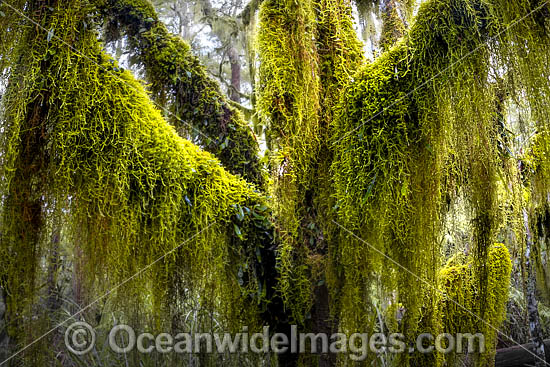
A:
288	102
459	306
178	81
84	146
308	51
418	126
392	25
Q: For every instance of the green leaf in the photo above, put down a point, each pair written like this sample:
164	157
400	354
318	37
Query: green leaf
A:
262	208
238	231
369	189
257	216
240	213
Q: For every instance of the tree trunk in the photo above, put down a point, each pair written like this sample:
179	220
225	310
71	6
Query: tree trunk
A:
235	92
322	322
517	356
53	301
532	304
4	340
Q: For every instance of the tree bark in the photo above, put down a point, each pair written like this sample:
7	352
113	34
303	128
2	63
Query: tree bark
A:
4	340
517	356
235	92
323	323
532	304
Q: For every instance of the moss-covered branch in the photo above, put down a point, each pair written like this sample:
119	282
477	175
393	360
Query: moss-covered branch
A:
179	81
82	142
418	127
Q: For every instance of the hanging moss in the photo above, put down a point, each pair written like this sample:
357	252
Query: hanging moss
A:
460	302
534	174
8	38
340	54
308	51
417	126
395	210
392	25
177	80
288	102
411	132
82	142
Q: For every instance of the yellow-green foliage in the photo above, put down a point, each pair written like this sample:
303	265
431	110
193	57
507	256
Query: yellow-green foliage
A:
340	55
9	21
289	85
340	52
308	51
179	81
83	143
417	126
459	304
392	25
289	102
535	173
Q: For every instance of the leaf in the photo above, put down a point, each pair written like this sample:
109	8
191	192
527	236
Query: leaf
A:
369	189
50	35
223	146
2	14
257	216
225	143
238	231
240	213
262	208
